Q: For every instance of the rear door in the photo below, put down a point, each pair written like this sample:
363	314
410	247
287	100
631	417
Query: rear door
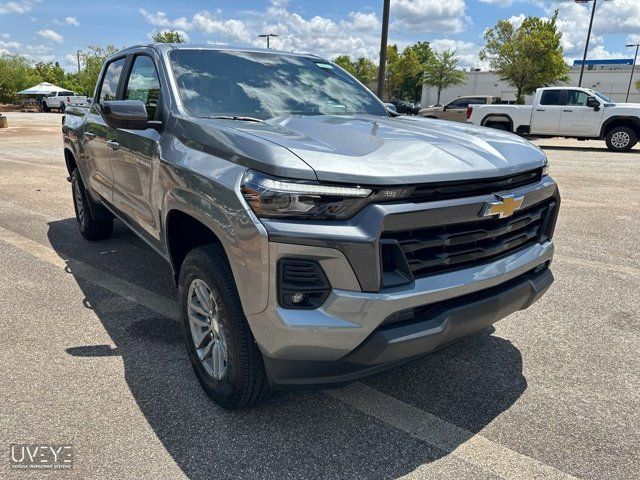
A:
578	119
547	114
456	110
97	134
136	159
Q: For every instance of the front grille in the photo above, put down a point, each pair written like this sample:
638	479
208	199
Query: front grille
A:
470	188
447	247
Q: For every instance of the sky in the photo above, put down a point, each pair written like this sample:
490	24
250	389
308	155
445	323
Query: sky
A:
53	30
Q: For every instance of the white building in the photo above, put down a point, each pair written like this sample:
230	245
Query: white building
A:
613	83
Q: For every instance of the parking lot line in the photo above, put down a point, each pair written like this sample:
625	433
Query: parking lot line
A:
134	293
463	444
445	436
31	164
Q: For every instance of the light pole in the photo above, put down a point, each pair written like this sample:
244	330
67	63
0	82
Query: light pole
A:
633	67
586	45
267	36
383	47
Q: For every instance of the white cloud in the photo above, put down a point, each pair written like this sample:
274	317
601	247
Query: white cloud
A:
16	7
516	20
51	35
614	17
466	51
429	15
73	21
500	3
5	35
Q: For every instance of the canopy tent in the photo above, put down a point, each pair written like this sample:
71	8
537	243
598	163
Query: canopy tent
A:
43	88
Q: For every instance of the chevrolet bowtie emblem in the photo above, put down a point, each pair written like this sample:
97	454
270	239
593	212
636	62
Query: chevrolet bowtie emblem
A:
504	207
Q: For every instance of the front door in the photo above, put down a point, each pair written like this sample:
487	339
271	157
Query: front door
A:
135	157
456	110
578	119
547	114
97	135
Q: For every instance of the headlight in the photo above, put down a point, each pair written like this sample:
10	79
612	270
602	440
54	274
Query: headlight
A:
545	169
272	197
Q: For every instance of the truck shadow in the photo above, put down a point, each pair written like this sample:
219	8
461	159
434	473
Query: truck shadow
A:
584	149
291	434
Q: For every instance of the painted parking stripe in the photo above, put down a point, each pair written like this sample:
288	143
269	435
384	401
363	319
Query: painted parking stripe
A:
132	292
451	439
468	446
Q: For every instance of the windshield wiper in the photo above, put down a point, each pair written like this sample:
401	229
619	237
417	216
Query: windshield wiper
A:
236	117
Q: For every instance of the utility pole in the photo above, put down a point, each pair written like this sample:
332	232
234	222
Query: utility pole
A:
633	67
267	36
586	45
78	57
383	47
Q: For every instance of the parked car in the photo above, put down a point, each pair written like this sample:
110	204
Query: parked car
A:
61	100
314	237
391	107
456	110
572	112
404	107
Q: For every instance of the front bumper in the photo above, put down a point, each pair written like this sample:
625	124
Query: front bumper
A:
394	344
349	335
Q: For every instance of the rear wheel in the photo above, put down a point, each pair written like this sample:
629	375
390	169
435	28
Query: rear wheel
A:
621	139
87	212
498	126
63	107
221	347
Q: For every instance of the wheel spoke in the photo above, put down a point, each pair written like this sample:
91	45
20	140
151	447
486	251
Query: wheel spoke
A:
198	309
205	351
203	298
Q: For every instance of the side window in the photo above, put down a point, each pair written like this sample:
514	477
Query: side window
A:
551	97
459	103
109	88
144	85
577	98
478	101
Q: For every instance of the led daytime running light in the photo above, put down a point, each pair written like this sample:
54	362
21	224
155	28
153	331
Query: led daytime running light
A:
306	189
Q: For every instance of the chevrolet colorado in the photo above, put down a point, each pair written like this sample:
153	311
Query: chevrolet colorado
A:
314	238
575	112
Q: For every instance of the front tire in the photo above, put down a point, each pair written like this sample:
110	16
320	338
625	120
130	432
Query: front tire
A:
90	227
45	107
621	139
63	107
221	347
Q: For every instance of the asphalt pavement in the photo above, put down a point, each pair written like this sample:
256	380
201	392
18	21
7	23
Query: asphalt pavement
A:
92	355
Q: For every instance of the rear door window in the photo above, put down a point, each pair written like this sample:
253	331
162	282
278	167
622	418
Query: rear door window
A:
551	97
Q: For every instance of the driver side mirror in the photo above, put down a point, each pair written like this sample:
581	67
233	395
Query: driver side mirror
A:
593	103
127	114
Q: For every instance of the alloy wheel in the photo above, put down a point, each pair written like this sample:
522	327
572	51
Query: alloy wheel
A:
207	333
620	139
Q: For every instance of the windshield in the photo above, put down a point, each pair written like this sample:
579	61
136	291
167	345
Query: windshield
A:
266	85
601	96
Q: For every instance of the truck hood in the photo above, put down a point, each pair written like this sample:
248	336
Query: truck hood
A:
366	149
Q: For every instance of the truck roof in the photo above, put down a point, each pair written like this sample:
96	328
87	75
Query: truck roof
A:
167	47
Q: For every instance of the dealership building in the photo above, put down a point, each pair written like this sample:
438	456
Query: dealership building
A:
610	77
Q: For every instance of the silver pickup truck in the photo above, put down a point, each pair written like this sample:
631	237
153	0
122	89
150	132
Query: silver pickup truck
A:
314	237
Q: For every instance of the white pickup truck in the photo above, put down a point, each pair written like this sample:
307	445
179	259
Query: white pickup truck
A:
61	100
566	112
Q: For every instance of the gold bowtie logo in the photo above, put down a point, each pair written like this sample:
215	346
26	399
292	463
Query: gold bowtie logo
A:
504	207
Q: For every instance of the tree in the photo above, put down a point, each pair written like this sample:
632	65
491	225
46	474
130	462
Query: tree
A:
412	72
16	73
638	85
442	73
365	71
169	36
345	62
528	57
92	60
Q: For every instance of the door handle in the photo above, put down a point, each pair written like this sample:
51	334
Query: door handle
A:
113	145
540	110
567	110
89	135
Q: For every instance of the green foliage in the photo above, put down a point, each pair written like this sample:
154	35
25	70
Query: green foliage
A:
528	57
91	60
168	36
362	68
637	85
16	73
345	62
441	72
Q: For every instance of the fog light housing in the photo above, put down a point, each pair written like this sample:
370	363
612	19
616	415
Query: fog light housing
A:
302	284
